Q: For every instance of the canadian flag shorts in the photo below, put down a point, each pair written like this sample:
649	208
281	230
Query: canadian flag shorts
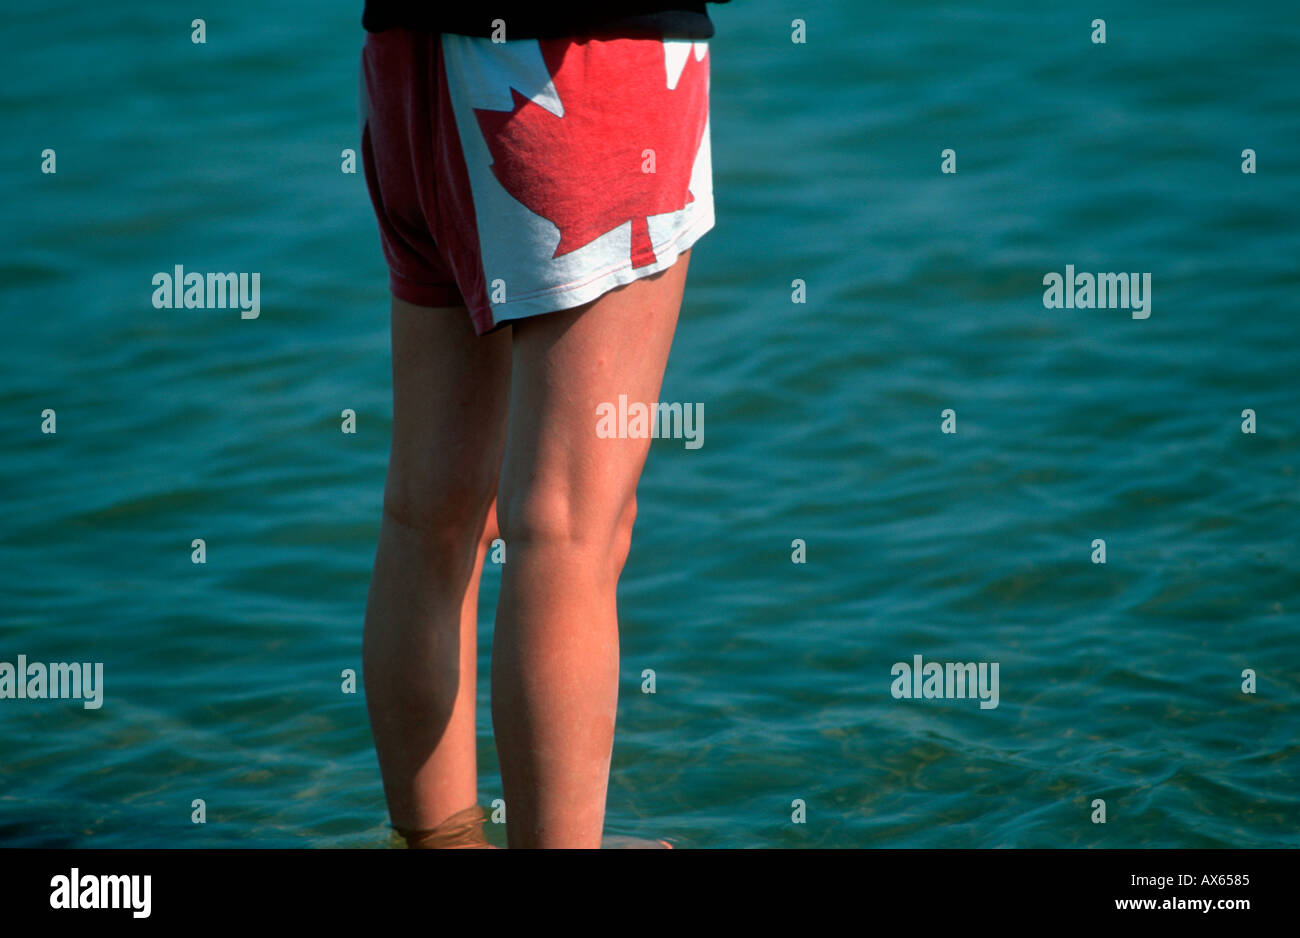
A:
528	176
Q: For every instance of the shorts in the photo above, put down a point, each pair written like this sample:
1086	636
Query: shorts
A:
529	176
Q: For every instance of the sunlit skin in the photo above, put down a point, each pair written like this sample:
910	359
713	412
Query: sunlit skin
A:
494	436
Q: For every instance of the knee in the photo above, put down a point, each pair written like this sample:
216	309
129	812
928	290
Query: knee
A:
596	531
623	530
453	515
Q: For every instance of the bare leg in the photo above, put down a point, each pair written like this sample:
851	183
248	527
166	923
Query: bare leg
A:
450	392
567	503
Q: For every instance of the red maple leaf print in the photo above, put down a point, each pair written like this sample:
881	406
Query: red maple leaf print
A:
584	171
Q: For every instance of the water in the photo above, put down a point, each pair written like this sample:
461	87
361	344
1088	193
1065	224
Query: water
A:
1120	682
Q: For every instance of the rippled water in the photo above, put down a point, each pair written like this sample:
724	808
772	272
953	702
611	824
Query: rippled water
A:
1119	681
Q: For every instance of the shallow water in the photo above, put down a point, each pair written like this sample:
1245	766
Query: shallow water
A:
1119	681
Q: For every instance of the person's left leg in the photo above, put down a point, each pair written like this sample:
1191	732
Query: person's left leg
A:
567	501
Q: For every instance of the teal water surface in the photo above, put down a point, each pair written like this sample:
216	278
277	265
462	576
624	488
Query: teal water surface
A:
1120	682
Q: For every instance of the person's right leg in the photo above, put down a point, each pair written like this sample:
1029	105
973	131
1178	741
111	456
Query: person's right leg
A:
566	503
450	390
